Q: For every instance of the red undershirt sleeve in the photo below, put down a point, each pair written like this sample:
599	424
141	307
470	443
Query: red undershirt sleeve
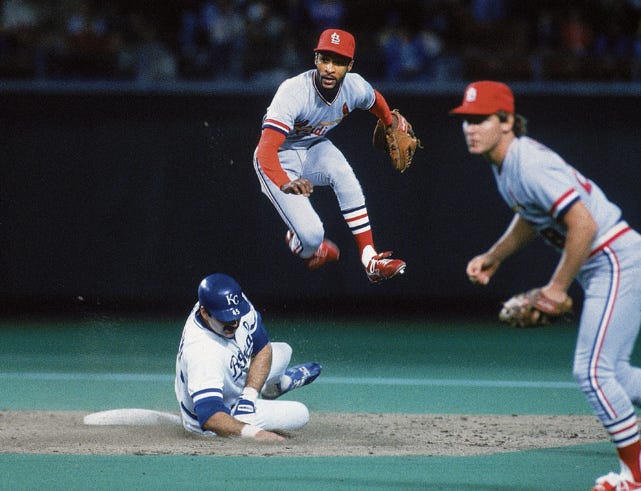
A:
267	156
381	109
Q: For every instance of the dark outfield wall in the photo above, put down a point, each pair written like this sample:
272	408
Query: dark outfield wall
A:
133	198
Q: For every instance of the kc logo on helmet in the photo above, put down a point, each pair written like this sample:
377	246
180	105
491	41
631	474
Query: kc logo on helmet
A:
232	299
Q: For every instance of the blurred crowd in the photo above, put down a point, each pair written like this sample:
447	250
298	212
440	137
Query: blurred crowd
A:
249	40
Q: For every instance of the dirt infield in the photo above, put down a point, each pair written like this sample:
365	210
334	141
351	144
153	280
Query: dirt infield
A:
327	434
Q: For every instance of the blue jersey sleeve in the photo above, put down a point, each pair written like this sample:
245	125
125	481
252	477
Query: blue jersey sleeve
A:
259	336
207	407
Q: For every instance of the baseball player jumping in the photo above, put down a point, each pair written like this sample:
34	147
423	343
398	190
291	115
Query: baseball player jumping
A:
294	155
597	247
225	360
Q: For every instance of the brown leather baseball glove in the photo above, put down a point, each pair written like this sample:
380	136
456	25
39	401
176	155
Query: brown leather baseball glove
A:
398	140
533	308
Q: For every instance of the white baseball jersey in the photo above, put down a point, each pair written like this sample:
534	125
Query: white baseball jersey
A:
539	185
211	370
300	111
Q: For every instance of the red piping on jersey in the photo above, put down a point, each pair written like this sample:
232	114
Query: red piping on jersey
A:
560	200
277	125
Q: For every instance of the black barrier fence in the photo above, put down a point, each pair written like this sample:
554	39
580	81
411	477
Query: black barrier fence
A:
129	198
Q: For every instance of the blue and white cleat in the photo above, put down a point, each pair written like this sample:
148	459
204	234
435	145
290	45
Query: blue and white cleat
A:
294	377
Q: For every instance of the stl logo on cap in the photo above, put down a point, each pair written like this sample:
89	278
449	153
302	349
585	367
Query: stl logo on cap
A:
486	97
337	41
470	95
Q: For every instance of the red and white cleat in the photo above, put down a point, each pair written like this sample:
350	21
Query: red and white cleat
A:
327	252
615	482
380	267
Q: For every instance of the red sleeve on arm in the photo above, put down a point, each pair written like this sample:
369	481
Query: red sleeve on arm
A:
267	156
381	109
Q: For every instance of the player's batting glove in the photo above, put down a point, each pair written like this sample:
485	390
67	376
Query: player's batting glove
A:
242	407
245	407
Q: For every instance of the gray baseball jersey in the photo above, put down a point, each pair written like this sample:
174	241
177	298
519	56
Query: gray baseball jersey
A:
539	185
299	111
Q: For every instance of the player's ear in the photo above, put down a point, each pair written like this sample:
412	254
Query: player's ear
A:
507	121
349	67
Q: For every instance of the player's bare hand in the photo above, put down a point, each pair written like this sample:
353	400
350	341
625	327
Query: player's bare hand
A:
481	268
269	436
554	293
298	186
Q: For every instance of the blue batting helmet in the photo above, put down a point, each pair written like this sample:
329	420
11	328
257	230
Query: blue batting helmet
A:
222	297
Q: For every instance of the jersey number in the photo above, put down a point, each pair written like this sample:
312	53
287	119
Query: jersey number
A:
553	237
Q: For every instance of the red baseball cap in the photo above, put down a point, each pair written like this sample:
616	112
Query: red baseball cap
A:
337	41
486	97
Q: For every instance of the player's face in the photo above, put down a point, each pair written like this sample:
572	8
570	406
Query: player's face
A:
484	135
225	329
332	68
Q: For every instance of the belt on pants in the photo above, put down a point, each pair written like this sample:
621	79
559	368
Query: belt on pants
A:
610	236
